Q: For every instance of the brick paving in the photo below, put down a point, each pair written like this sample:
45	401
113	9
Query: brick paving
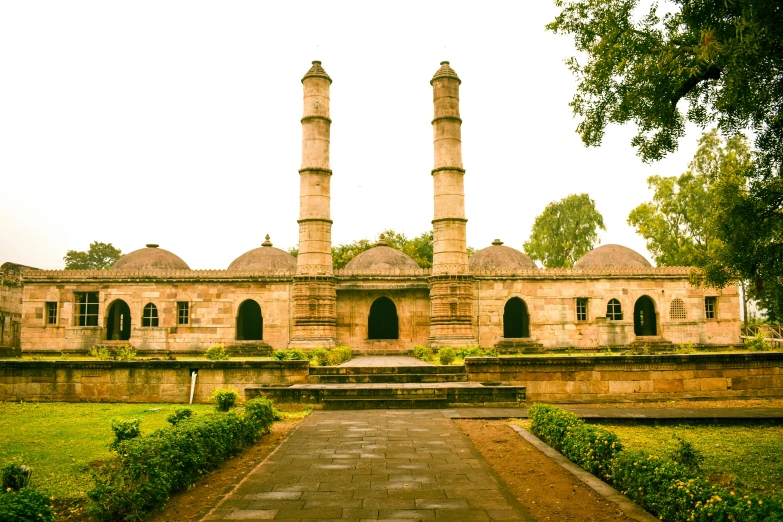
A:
372	465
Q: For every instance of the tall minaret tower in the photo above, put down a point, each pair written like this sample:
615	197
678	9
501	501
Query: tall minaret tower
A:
451	285
315	317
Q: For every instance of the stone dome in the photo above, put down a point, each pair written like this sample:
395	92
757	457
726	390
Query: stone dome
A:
612	256
381	257
150	258
499	257
265	258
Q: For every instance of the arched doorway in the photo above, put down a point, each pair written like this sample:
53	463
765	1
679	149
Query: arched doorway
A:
516	321
250	324
644	317
118	323
383	322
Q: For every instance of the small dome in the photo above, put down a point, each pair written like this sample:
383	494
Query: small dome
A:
612	256
265	258
499	257
150	258
381	257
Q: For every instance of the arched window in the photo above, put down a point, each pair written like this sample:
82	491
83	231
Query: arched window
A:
644	322
677	309
516	320
150	315
614	310
250	323
118	321
383	322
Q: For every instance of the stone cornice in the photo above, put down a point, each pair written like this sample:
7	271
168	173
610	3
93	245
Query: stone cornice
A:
316	117
140	276
316	169
308	220
450	118
8	367
439	169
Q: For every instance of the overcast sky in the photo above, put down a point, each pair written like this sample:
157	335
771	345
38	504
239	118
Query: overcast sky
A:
178	123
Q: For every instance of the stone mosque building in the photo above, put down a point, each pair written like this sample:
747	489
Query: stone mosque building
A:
382	301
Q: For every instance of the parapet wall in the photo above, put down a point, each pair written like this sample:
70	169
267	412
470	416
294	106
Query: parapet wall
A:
139	381
637	378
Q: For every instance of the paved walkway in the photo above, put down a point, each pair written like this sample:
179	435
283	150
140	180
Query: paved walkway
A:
385	360
626	413
373	465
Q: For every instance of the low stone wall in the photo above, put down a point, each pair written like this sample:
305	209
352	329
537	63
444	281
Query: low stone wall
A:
139	381
610	378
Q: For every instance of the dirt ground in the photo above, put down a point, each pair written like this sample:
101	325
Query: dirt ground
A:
545	489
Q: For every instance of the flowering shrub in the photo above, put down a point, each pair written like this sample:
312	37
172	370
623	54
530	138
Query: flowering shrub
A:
15	476
24	505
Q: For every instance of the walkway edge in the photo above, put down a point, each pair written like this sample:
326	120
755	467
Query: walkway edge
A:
626	505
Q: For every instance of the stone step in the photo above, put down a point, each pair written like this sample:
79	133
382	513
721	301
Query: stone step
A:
397	370
385	404
387	378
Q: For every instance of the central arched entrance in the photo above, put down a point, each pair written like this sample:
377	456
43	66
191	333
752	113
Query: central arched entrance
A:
644	321
516	321
383	322
250	323
118	324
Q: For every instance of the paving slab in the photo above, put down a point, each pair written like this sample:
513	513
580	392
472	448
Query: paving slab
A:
385	361
372	465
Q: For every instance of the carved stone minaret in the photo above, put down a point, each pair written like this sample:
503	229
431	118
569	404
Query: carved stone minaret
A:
451	285
315	317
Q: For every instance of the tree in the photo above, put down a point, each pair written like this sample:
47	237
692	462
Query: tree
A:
100	256
723	59
565	231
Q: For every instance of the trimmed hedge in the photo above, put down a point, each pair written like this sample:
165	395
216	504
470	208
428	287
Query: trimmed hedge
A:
665	488
25	505
148	469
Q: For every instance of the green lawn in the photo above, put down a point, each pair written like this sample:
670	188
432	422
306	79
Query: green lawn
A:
60	440
747	456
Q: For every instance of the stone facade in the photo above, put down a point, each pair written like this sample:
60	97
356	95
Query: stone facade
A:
10	306
381	302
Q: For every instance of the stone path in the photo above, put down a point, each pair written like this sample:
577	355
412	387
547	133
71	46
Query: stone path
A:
385	360
373	465
626	413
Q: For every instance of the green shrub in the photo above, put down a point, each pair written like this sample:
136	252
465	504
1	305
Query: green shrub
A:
216	353
550	423
686	454
476	351
125	353
686	348
757	343
124	430
320	357
279	355
100	352
224	398
15	476
179	415
446	355
423	352
339	355
262	412
25	505
147	470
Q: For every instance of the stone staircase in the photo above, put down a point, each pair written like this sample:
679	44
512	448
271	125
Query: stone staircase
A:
357	388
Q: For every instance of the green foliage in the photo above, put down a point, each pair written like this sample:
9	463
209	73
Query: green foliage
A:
25	505
686	348
475	351
216	353
100	256
758	343
686	454
147	470
339	355
179	415
100	352
446	355
124	430
125	353
224	398
317	356
565	231
423	352
15	476
320	357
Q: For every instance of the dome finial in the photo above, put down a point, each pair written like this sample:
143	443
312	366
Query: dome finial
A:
497	242
382	241
266	243
152	245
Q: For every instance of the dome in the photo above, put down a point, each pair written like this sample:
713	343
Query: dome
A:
265	258
150	258
612	256
499	257
381	257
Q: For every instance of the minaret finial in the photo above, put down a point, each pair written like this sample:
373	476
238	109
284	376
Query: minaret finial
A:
266	243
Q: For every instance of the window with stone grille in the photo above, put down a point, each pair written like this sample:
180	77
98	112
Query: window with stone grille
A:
581	309
614	311
150	315
85	308
183	313
677	309
51	313
710	307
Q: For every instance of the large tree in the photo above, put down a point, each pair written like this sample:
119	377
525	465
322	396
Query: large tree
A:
565	231
100	256
700	61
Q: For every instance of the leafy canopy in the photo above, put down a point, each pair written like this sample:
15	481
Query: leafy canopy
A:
100	256
565	231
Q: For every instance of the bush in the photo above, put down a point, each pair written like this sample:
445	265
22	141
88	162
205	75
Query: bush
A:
124	430
224	398
686	348
757	343
475	351
320	357
686	454
216	353
179	415
423	352
125	353
15	477
100	352
147	470
25	505
339	355
446	355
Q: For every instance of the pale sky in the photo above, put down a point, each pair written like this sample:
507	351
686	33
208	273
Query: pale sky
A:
178	123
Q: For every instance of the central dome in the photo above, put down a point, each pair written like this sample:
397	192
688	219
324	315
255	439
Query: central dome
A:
150	258
265	258
612	256
499	257
381	257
